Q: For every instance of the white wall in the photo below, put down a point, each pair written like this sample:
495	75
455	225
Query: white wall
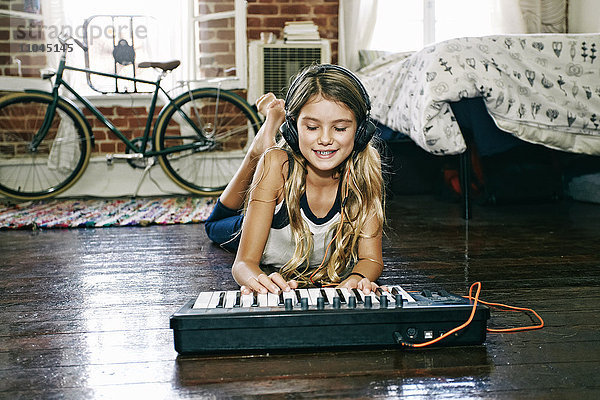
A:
583	16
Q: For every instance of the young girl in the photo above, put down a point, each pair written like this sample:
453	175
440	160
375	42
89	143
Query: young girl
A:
313	207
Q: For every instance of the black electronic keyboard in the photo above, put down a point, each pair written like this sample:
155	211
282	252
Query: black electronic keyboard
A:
228	321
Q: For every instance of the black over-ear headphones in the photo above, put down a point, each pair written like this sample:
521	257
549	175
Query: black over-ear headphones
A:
366	128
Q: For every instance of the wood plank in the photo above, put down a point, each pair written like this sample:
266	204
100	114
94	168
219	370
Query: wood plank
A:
85	312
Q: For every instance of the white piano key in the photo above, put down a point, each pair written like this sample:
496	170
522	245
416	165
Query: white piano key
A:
330	293
230	298
387	294
203	300
272	299
373	297
404	293
305	293
263	300
360	295
346	293
314	294
214	300
247	300
290	295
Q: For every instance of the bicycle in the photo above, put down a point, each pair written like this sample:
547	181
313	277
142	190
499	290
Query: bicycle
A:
199	137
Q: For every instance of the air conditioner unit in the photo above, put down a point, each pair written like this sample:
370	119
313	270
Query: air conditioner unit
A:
271	65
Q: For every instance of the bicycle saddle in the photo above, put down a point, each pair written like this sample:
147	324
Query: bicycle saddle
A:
165	66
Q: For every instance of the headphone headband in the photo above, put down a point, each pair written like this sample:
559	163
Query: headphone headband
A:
321	69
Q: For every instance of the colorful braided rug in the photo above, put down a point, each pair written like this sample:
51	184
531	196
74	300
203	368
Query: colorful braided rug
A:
94	213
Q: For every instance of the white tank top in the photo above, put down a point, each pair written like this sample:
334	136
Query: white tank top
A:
280	243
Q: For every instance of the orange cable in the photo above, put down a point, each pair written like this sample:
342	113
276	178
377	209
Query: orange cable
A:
458	328
513	309
476	300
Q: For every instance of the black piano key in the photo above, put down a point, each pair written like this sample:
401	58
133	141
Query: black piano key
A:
221	303
395	291
254	299
358	295
281	299
341	295
298	297
324	295
378	291
238	299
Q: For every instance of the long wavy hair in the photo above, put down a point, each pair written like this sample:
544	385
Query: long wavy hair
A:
361	184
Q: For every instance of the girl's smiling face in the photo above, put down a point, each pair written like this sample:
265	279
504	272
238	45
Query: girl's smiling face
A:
326	131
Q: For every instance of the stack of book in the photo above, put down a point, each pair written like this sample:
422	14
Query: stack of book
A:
301	32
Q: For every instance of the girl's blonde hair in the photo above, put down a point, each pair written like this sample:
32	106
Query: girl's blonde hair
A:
360	175
363	178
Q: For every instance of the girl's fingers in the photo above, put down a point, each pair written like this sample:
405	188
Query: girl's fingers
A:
366	286
245	289
254	285
279	281
264	284
267	283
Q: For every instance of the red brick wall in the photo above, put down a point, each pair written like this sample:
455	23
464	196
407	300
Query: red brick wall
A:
216	39
131	121
22	39
216	44
271	15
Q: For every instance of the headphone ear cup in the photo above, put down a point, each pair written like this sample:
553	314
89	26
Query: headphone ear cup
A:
364	134
290	134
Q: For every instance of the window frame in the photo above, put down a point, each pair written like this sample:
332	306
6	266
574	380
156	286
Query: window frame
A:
240	80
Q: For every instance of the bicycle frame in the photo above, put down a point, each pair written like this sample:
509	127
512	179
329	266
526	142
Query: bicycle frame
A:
106	122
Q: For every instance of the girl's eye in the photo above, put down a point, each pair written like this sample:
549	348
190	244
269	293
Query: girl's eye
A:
340	129
311	128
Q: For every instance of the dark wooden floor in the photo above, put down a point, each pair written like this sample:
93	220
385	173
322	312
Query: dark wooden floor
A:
84	313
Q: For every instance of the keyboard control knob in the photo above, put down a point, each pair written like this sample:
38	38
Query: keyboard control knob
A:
368	302
320	303
399	301
352	302
336	302
304	303
288	305
383	301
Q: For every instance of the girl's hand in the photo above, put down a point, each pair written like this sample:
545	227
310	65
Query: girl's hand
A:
362	284
273	283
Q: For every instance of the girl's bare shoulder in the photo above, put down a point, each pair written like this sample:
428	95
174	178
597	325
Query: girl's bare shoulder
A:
276	159
273	168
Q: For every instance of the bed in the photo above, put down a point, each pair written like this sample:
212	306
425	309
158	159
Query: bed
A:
542	88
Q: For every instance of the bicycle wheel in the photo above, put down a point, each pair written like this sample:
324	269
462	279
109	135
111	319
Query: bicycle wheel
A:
205	163
56	163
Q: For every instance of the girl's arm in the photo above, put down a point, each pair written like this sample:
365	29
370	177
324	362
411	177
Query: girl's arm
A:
370	259
268	190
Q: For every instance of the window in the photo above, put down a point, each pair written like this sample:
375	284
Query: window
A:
219	43
207	37
409	25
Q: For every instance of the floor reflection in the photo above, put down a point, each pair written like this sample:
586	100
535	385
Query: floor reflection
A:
445	363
